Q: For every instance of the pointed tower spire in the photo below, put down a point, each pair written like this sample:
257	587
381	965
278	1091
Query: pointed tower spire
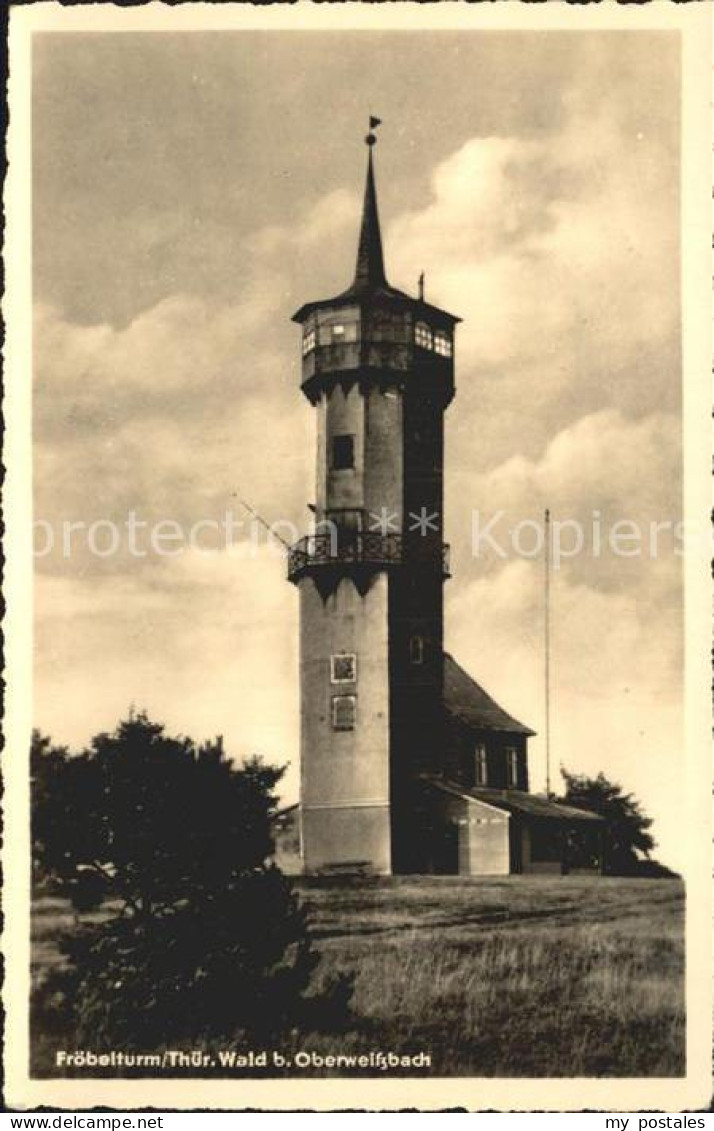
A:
370	259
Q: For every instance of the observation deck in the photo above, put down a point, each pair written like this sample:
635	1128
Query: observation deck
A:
336	549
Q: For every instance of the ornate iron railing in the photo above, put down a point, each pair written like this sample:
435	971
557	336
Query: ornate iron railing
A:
364	548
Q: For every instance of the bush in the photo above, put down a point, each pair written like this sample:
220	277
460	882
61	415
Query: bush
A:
238	964
200	934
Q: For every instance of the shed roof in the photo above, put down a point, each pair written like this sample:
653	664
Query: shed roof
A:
467	701
516	801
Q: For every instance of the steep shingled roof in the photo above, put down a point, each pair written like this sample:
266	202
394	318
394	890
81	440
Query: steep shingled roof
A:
369	272
370	280
467	701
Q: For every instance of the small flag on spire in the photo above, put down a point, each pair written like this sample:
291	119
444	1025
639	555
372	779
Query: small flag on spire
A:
373	123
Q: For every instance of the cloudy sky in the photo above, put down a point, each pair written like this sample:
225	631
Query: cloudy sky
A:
190	192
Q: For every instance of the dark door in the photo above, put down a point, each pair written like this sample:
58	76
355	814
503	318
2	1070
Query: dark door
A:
515	834
447	852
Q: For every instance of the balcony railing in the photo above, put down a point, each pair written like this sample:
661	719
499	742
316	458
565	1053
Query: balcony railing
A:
340	548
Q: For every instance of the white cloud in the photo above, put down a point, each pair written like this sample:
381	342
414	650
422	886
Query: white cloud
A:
601	460
552	256
330	218
168	417
183	342
202	642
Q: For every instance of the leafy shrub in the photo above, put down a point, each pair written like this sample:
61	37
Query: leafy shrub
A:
241	962
199	934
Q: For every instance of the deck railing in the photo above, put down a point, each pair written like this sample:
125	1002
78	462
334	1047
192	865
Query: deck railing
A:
364	548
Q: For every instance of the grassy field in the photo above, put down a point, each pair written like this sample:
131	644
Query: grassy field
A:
516	977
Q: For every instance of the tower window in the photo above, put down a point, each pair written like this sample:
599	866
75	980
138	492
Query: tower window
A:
333	333
343	668
422	336
442	343
343	452
308	342
512	766
416	650
344	712
480	766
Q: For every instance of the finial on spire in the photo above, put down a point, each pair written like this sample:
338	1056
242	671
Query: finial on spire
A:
371	138
421	287
370	260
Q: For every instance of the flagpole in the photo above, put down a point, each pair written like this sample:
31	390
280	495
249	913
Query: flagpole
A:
546	596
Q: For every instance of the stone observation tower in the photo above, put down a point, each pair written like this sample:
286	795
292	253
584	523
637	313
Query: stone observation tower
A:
380	743
378	367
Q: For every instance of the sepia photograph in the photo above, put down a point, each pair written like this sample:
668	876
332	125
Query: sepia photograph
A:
359	741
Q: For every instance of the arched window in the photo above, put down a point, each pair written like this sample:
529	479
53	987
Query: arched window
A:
423	336
442	343
480	766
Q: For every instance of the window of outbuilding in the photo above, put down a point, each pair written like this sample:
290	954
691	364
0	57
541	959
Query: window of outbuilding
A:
442	343
423	336
308	341
545	842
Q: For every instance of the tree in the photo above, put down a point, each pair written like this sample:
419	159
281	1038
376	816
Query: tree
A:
153	819
627	840
46	763
201	933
